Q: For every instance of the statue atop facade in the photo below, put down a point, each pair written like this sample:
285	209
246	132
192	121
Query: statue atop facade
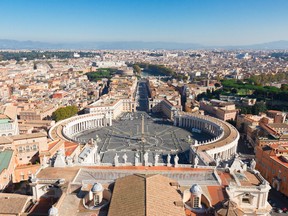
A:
137	156
176	159
145	156
196	161
125	157
168	160
156	159
116	160
253	164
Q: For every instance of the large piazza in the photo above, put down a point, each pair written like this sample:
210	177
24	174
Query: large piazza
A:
118	133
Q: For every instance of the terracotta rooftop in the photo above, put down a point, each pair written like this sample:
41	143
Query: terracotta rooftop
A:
28	136
70	147
56	173
13	204
5	140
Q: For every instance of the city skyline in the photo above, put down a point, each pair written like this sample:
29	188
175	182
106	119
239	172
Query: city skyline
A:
204	22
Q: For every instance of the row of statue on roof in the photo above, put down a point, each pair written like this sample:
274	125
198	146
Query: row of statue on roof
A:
145	159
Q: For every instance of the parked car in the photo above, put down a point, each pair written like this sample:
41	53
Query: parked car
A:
279	210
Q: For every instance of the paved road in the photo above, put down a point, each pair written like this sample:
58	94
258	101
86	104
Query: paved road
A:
244	147
142	96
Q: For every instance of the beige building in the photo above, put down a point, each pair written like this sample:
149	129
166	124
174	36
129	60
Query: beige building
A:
163	98
8	121
27	147
220	109
37	113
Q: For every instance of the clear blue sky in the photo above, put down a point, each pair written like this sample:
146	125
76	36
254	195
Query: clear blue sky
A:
210	22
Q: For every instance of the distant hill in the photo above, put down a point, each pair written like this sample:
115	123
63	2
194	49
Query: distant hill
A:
281	45
14	44
36	45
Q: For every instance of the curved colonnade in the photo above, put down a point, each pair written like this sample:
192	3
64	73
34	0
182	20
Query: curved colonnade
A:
68	128
225	141
222	146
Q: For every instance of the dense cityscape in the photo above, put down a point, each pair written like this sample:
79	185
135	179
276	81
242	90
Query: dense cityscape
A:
146	108
80	122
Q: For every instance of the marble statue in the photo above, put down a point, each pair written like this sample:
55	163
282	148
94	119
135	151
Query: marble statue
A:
253	164
116	160
176	159
137	156
125	157
168	160
145	156
156	159
196	161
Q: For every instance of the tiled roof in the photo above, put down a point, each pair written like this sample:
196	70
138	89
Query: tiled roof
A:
12	203
144	195
28	136
70	148
5	140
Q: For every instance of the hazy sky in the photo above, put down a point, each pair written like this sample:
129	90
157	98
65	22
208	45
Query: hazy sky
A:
209	22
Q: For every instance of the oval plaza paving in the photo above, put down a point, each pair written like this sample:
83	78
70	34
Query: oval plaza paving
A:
189	136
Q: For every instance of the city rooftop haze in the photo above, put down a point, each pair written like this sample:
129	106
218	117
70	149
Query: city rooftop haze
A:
207	22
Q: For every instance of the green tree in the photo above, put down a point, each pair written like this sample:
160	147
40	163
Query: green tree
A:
137	69
64	112
258	108
284	87
234	91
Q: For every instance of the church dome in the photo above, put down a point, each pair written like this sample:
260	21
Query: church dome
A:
97	187
196	189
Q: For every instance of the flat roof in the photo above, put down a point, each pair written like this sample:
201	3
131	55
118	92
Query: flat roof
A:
28	136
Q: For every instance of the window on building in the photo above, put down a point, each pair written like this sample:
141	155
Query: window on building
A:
20	149
96	200
27	148
246	198
196	202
